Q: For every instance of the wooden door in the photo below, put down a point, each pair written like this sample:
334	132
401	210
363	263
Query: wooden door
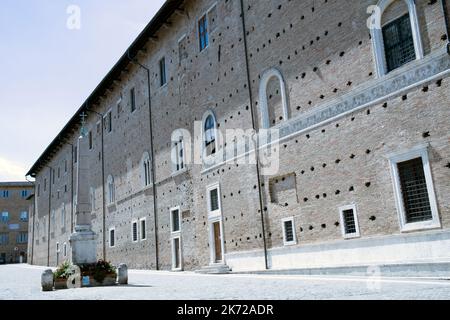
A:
217	242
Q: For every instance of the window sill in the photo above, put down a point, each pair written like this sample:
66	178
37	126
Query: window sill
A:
351	236
420	226
289	244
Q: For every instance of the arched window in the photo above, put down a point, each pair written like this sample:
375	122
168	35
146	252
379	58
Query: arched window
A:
395	32
209	134
146	170
263	101
111	190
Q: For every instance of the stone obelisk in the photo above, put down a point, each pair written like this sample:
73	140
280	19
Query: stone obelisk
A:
83	241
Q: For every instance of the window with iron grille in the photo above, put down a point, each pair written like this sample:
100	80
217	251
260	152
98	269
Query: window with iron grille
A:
175	220
398	43
134	231
143	229
214	199
4	238
22	237
414	191
349	221
288	231
203	32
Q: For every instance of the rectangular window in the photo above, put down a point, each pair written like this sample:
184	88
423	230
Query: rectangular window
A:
24	216
45	184
112	238
24	193
349	222
57	247
214	199
143	229
133	99
414	191
203	32
65	165
59	172
53	176
38	189
175	220
176	254
4	238
162	71
22	237
5	217
65	249
75	154
5	193
289	232
91	141
398	42
134	231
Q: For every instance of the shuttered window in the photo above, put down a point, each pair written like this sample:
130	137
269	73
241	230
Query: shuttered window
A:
203	32
398	42
414	191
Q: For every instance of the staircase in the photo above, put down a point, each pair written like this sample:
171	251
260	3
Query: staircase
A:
214	269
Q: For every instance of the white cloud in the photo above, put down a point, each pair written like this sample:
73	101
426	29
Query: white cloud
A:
10	171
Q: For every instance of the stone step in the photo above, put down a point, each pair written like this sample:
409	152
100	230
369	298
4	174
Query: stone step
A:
214	269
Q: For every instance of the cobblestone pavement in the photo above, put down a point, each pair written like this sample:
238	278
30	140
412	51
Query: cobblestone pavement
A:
23	282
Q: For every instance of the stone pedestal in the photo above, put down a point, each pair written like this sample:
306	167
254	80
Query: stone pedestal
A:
47	280
84	246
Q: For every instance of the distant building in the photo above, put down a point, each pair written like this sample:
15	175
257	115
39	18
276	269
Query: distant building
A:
14	216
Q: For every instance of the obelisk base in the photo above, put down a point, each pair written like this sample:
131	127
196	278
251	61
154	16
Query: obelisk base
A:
83	244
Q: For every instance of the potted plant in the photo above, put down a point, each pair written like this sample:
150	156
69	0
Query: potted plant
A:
61	275
102	273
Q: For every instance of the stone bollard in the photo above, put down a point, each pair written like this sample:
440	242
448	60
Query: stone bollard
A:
47	280
122	274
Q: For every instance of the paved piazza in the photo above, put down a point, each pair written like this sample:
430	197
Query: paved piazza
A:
23	282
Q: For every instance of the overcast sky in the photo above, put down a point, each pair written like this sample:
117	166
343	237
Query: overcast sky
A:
48	69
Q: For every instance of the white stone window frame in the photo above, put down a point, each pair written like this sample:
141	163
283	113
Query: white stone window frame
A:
143	236
106	124
172	232
376	32
203	15
210	29
294	233
174	235
166	69
420	151
263	101
357	233
109	237
218	212
135	222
